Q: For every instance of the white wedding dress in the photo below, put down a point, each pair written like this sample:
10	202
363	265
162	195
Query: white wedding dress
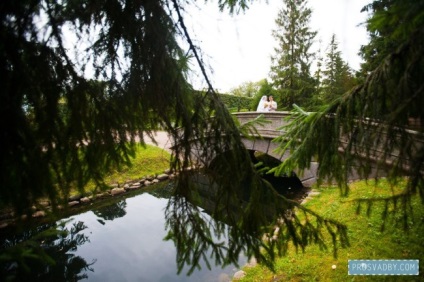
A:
262	105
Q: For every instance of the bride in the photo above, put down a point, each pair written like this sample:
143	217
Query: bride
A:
263	105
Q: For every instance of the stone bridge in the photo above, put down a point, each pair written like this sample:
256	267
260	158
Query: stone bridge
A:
269	131
265	145
308	177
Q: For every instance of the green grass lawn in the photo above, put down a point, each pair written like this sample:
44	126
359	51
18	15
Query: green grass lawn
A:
147	161
365	237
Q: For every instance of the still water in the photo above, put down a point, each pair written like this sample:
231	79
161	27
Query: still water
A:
124	242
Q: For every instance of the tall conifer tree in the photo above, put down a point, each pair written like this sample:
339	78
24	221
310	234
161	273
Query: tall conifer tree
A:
317	100
337	77
290	70
383	38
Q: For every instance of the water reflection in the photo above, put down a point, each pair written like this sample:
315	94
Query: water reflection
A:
46	254
111	211
125	244
240	216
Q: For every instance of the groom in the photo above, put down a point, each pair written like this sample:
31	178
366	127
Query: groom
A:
272	107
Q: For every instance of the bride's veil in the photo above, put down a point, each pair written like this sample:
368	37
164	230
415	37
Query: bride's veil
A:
261	104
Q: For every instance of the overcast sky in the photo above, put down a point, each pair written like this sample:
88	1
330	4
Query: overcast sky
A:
238	48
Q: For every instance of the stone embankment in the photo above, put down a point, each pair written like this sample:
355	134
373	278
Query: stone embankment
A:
42	208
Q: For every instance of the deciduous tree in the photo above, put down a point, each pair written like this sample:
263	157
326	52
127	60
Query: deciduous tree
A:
246	89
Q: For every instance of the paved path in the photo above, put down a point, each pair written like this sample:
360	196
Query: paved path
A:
162	139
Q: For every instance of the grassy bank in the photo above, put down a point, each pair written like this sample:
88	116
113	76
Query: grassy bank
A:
148	160
367	241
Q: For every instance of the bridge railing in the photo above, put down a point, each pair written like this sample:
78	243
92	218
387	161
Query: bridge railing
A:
269	129
387	149
376	153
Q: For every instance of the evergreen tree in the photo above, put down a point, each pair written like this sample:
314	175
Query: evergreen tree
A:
317	99
337	77
290	70
382	38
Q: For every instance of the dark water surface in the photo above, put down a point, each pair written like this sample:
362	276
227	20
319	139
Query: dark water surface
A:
131	247
123	242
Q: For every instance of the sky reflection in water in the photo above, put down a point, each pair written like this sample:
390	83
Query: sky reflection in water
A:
130	247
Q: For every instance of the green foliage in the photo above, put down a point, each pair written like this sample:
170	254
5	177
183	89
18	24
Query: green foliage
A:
65	130
233	6
390	25
290	70
368	127
247	89
250	209
236	103
249	129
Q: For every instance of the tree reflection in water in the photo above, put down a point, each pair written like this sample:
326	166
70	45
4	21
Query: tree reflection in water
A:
111	211
237	225
240	217
30	259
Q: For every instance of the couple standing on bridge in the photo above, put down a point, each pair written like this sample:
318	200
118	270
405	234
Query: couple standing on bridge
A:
267	104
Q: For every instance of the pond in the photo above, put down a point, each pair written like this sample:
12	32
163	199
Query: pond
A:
156	235
123	241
